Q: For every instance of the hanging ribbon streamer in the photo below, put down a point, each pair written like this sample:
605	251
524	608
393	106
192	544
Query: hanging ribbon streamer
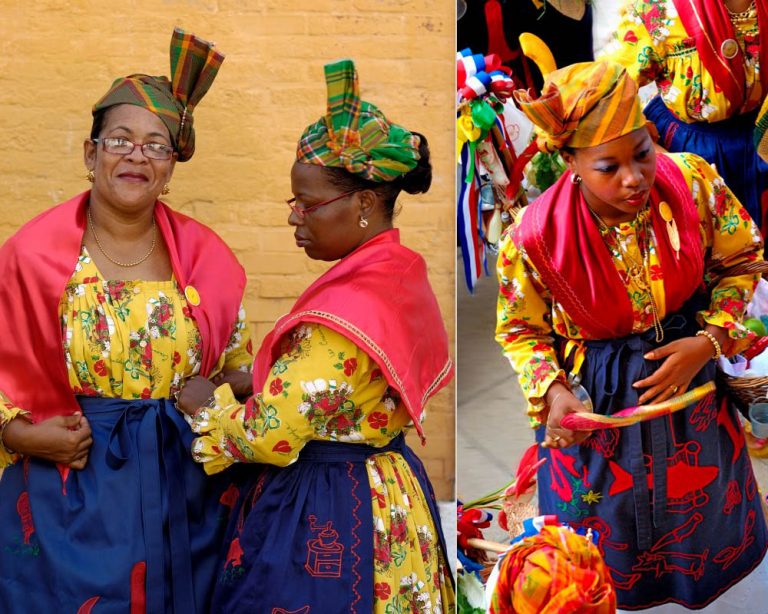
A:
586	421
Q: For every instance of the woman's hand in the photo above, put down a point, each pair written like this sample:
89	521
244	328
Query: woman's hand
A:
683	359
61	439
241	382
560	402
196	392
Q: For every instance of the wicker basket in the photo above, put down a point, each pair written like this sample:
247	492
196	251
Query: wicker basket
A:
746	390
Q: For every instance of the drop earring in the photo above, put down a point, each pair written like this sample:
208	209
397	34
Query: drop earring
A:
363	223
166	189
90	176
575	179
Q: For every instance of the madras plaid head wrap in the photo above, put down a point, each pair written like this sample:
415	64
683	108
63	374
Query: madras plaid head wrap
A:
760	136
194	65
554	571
583	105
355	135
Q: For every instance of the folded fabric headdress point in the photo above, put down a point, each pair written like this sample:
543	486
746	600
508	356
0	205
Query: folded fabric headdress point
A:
583	105
194	65
355	134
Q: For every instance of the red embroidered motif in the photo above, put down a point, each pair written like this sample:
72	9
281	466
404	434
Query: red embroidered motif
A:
732	496
304	610
25	514
729	554
603	442
234	554
324	553
662	562
139	588
733	430
229	497
87	606
686	479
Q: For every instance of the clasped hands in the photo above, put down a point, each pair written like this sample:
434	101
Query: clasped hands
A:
682	360
198	390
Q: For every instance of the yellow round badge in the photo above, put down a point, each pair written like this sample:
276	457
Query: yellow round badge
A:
193	296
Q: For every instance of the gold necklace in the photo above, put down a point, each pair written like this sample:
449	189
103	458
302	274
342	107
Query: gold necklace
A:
742	15
126	265
637	273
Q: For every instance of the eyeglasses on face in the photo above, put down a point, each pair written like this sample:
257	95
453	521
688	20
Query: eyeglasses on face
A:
122	147
302	211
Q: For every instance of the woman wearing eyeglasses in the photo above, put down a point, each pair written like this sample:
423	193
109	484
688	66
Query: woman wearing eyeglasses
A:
340	516
110	300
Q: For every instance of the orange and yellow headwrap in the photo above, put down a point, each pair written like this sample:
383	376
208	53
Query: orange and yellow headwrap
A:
583	105
553	572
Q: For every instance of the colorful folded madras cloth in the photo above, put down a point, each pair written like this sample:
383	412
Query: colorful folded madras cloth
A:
553	571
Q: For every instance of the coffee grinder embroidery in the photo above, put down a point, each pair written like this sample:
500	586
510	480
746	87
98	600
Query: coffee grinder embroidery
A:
324	552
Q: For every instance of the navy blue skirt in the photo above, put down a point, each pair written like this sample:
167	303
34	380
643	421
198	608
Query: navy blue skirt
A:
139	529
302	540
674	500
727	144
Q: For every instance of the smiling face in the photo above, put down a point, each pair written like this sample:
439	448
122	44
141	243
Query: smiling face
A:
129	182
616	176
332	231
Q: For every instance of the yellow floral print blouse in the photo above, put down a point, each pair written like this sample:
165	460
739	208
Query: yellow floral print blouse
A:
130	340
652	43
527	314
324	387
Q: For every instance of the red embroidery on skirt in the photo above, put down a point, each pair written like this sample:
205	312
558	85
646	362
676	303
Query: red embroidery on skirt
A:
324	553
229	497
304	610
729	554
25	514
732	496
234	554
661	562
87	606
138	588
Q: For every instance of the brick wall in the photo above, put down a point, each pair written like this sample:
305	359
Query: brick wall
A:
58	58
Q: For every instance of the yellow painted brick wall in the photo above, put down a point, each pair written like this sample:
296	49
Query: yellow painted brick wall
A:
57	58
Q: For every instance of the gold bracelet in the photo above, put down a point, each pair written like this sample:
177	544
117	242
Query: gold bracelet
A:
713	340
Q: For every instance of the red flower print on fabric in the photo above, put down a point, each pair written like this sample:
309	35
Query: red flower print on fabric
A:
146	393
176	358
382	590
378	420
100	367
276	386
282	447
630	37
350	366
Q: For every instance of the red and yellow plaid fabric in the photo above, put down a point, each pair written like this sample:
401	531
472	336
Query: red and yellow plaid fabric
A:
583	105
355	135
194	65
554	572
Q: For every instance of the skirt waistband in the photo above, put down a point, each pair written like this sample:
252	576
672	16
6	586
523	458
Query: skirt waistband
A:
340	451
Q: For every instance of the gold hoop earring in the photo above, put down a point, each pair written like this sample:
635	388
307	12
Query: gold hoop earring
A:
575	179
363	223
166	189
90	176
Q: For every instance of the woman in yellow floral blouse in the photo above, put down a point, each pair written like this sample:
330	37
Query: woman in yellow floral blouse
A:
706	57
342	517
111	300
615	292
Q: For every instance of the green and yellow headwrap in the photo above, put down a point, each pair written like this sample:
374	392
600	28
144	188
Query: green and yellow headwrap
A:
194	65
760	136
355	135
583	105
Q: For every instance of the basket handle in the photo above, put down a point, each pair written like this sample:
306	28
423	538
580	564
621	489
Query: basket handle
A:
746	268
